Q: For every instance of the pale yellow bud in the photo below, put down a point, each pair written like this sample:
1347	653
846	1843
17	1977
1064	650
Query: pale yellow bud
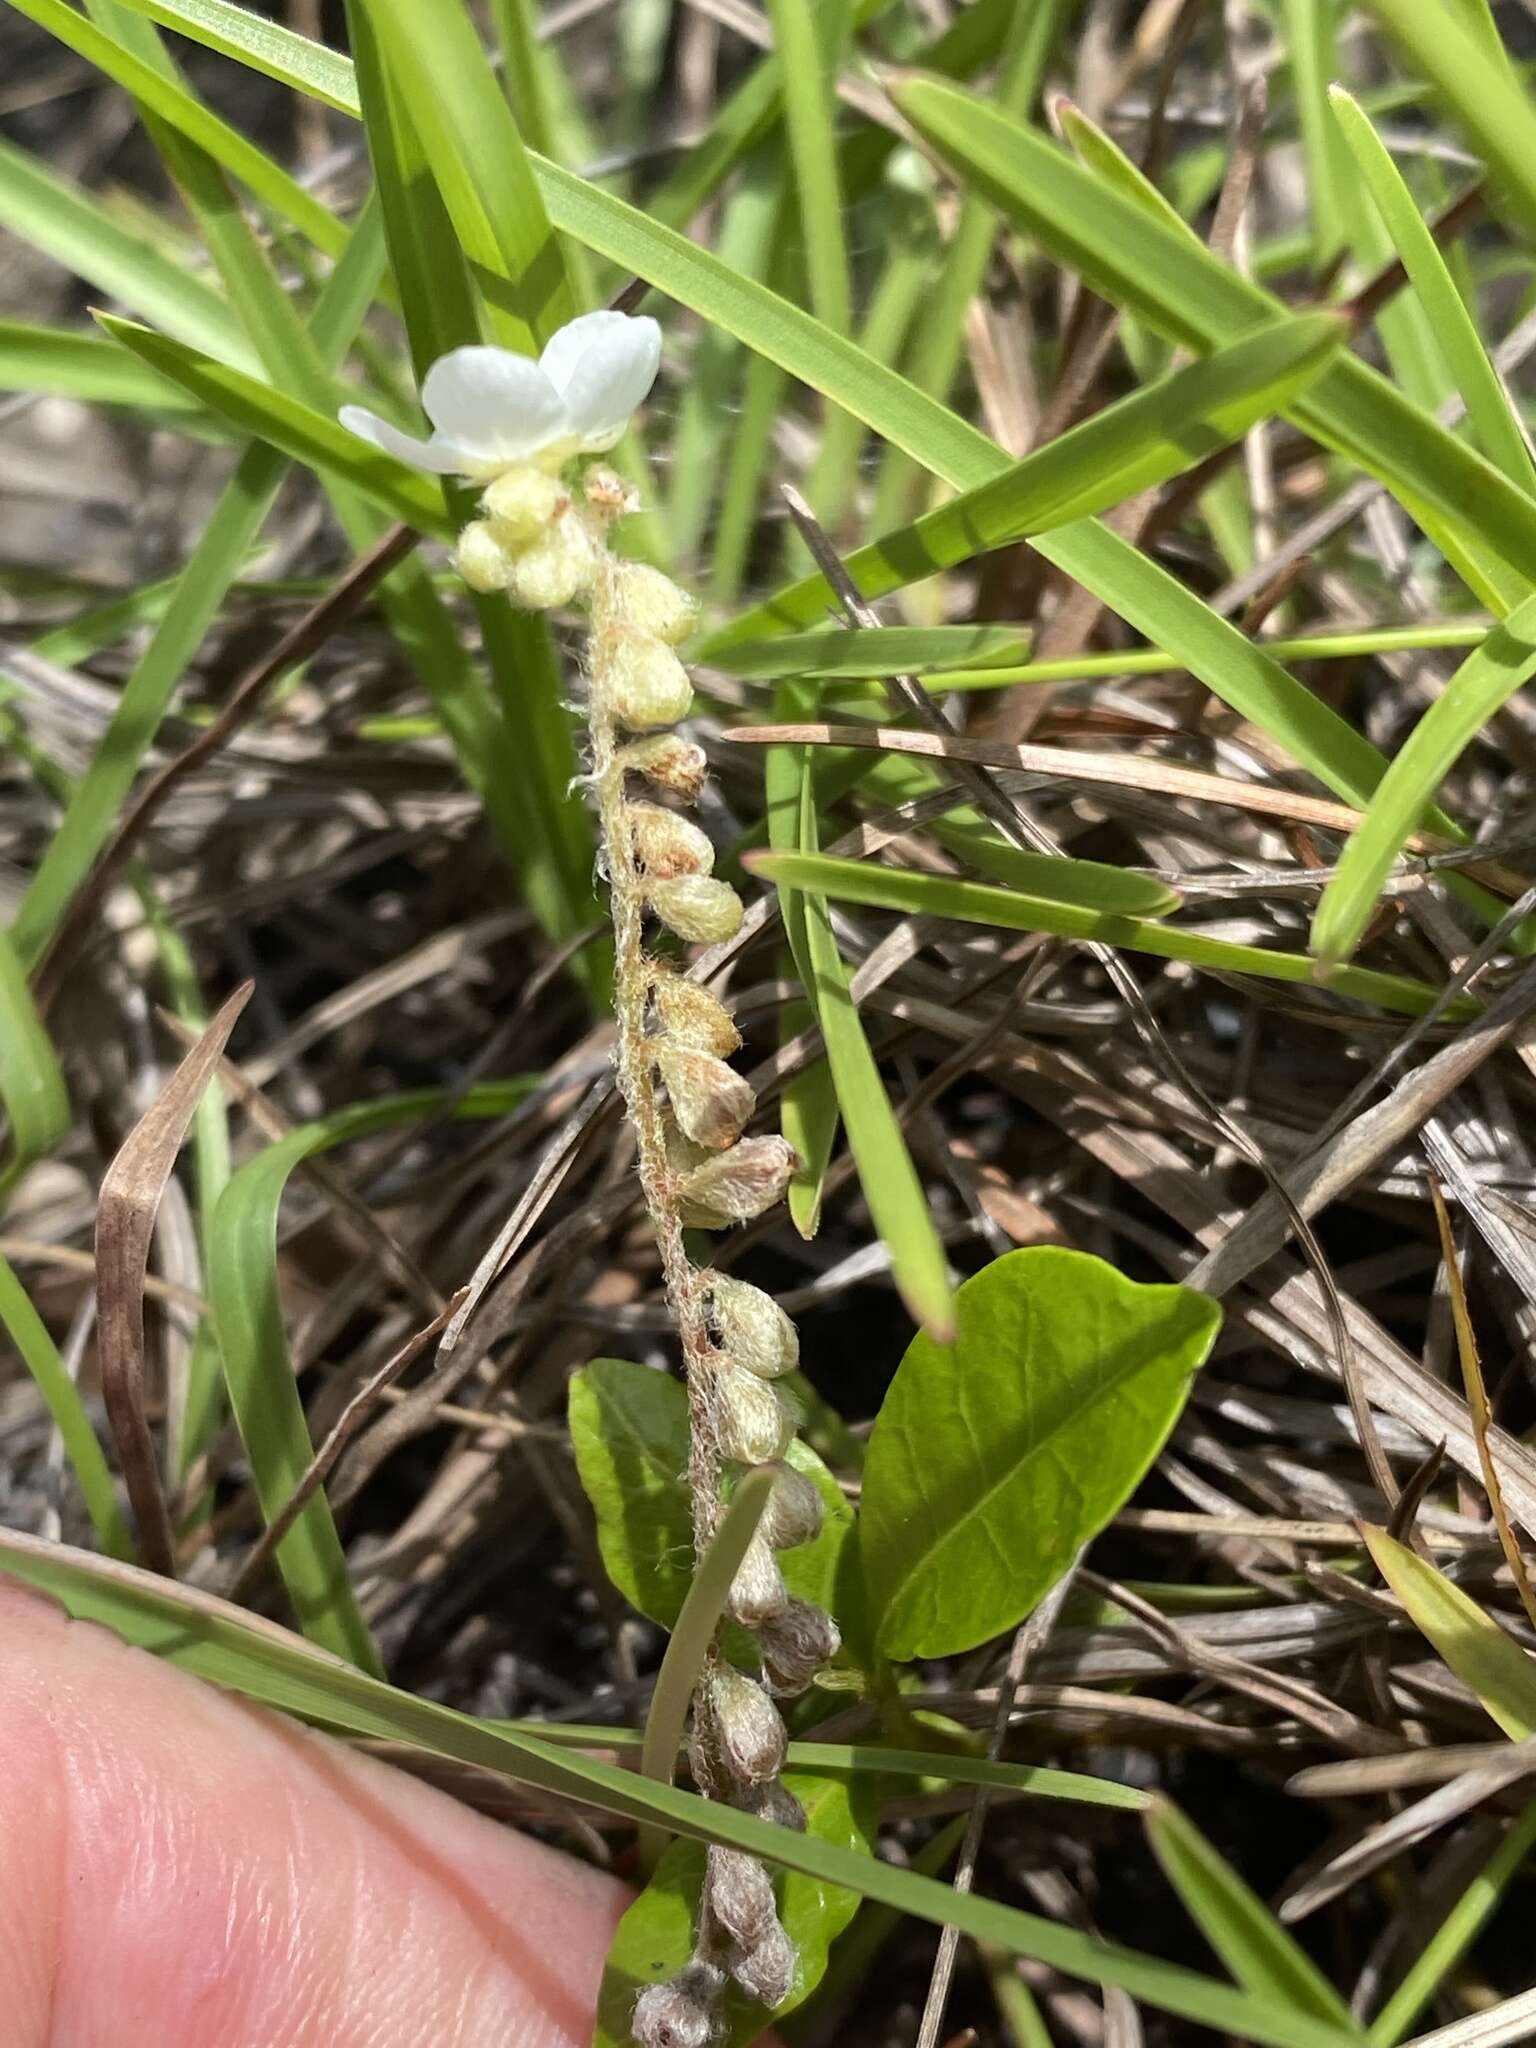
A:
766	1970
641	678
667	845
747	1727
735	1186
710	1101
652	603
691	1016
796	1644
753	1328
554	570
481	559
758	1591
669	761
523	503
794	1511
738	1893
697	907
753	1423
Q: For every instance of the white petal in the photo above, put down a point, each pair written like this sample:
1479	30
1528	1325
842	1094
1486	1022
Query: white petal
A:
439	455
499	405
604	363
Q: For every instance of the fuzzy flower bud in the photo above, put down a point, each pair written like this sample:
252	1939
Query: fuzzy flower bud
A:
758	1592
771	1802
681	2013
710	1100
668	761
747	1727
753	1422
667	844
643	680
690	1016
794	1512
523	503
739	1184
796	1645
754	1329
481	559
652	603
738	1892
607	492
697	907
766	1970
553	570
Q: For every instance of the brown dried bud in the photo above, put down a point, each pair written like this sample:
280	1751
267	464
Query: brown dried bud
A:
668	760
747	1727
794	1511
739	1893
766	1970
652	603
753	1423
755	1330
691	1016
758	1591
739	1184
642	679
667	844
795	1646
771	1802
709	1099
680	2013
697	907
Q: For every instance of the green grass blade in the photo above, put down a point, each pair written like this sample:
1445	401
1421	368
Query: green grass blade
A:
1259	1952
919	894
1311	32
874	651
1488	677
83	366
31	1085
1482	1655
61	1397
809	47
263	45
1489	410
243	1654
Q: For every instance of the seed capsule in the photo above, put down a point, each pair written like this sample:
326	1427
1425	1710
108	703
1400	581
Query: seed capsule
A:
523	503
642	678
739	1184
753	1422
794	1512
755	1330
481	559
766	1970
669	761
796	1645
758	1592
553	571
739	1893
652	603
697	907
710	1100
667	844
747	1727
690	1016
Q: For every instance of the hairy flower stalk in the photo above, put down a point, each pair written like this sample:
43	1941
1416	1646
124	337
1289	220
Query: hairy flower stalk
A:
523	430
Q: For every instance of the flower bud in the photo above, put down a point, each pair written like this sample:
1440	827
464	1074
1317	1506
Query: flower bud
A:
753	1422
667	844
651	602
692	1017
796	1645
607	492
754	1329
758	1592
738	1893
697	907
750	1734
481	559
523	503
737	1185
553	570
771	1802
669	761
794	1512
710	1100
681	2013
766	1970
642	679
683	1155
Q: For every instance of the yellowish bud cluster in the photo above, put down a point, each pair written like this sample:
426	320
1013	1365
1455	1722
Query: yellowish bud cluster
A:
532	542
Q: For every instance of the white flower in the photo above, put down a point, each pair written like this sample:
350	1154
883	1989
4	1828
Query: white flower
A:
491	408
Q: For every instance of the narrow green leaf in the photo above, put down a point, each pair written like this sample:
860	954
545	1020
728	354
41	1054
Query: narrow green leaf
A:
1488	678
875	651
31	1084
1312	32
263	45
921	894
1483	1657
995	1458
84	366
1261	1954
808	58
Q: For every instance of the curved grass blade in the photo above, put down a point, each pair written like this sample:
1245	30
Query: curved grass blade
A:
251	39
921	894
84	366
1482	1655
